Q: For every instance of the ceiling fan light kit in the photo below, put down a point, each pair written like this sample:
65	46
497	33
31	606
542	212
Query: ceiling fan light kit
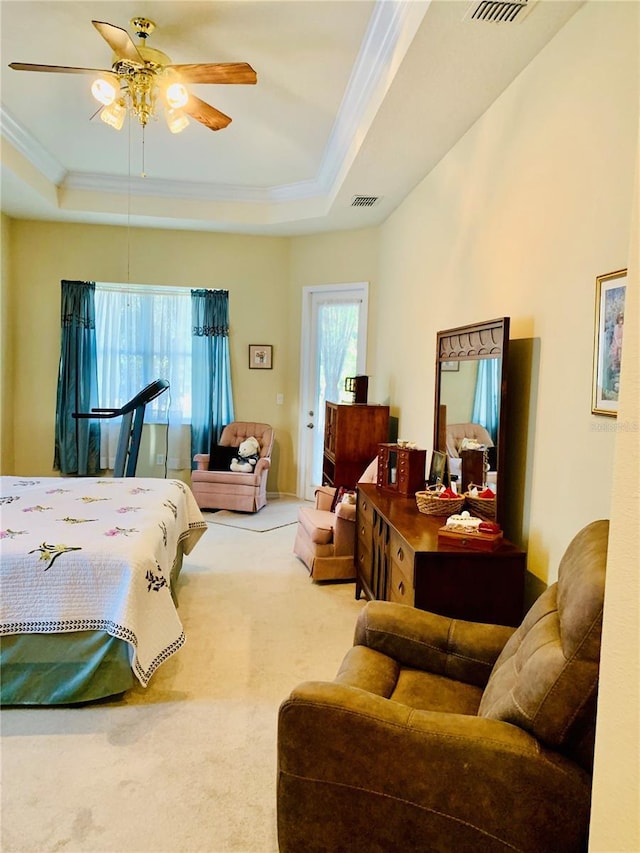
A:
139	74
114	114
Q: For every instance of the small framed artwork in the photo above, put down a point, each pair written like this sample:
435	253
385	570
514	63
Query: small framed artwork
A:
449	366
438	468
607	348
260	356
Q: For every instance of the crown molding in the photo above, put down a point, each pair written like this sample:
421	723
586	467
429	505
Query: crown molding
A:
391	28
30	148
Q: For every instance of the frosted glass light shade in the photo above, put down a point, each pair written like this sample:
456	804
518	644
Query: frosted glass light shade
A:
103	91
114	115
176	95
176	120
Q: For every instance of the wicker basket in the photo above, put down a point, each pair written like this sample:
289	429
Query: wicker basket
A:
430	503
481	507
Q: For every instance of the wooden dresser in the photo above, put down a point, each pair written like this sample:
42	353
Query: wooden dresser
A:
352	433
399	558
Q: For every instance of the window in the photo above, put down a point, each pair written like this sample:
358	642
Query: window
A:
142	334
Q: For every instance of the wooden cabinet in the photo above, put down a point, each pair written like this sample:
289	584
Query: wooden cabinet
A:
401	469
352	433
399	558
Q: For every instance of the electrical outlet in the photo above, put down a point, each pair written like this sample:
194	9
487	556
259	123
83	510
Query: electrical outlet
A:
280	399
160	459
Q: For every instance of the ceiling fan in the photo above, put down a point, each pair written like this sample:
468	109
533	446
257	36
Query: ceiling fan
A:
140	75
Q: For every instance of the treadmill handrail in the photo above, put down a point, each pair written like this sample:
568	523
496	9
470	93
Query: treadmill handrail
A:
148	393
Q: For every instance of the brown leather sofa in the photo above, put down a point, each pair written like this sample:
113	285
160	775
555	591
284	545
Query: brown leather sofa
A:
235	490
440	735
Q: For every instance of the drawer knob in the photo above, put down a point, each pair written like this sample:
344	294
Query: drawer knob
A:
400	554
401	587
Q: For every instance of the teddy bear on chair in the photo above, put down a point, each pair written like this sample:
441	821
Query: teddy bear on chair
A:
248	455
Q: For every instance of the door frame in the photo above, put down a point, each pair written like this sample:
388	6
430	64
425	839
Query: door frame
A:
308	294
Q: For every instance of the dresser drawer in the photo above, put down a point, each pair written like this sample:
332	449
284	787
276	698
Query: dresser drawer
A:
365	510
401	559
400	588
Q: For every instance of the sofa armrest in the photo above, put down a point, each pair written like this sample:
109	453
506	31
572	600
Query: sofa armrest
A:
389	775
466	651
324	497
344	531
263	464
202	461
346	511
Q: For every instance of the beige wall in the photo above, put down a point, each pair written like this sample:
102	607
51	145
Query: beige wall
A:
253	269
6	347
615	824
517	220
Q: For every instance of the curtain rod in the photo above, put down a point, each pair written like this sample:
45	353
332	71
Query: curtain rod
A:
168	290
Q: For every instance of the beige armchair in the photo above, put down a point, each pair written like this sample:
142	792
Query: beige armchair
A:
439	735
325	540
235	490
457	432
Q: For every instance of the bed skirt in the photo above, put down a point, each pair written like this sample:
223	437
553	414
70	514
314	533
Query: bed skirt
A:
63	669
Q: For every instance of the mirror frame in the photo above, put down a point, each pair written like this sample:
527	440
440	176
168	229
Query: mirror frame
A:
474	342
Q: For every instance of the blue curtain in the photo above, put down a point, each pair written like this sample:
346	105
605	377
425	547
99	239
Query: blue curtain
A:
77	441
211	393
486	399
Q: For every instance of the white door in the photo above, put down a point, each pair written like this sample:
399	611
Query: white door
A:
333	347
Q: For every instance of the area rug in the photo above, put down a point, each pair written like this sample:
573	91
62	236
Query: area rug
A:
280	511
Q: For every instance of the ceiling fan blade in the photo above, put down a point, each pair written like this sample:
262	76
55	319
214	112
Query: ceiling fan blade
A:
119	41
216	72
206	114
57	69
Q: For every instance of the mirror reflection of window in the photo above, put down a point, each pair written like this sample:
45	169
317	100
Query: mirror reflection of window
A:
472	394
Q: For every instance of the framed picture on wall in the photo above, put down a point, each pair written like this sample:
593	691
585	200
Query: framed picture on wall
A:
607	348
260	356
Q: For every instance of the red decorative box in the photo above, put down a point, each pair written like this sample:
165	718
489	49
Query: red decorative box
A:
474	541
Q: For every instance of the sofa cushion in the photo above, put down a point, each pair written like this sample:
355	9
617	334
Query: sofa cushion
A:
370	670
318	524
220	457
545	679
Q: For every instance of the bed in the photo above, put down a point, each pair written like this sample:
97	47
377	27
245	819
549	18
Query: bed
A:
89	569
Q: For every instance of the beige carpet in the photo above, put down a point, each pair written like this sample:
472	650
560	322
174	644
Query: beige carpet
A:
280	511
189	764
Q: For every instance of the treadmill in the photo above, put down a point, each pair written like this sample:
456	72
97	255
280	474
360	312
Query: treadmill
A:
130	435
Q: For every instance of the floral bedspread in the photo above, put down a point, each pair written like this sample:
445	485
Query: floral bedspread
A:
96	554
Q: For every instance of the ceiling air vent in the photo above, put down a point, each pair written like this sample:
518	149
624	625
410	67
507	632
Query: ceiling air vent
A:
364	200
498	12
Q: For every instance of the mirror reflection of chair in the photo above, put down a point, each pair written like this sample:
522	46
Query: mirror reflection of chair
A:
441	735
215	486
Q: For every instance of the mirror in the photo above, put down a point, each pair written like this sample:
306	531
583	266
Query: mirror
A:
470	404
